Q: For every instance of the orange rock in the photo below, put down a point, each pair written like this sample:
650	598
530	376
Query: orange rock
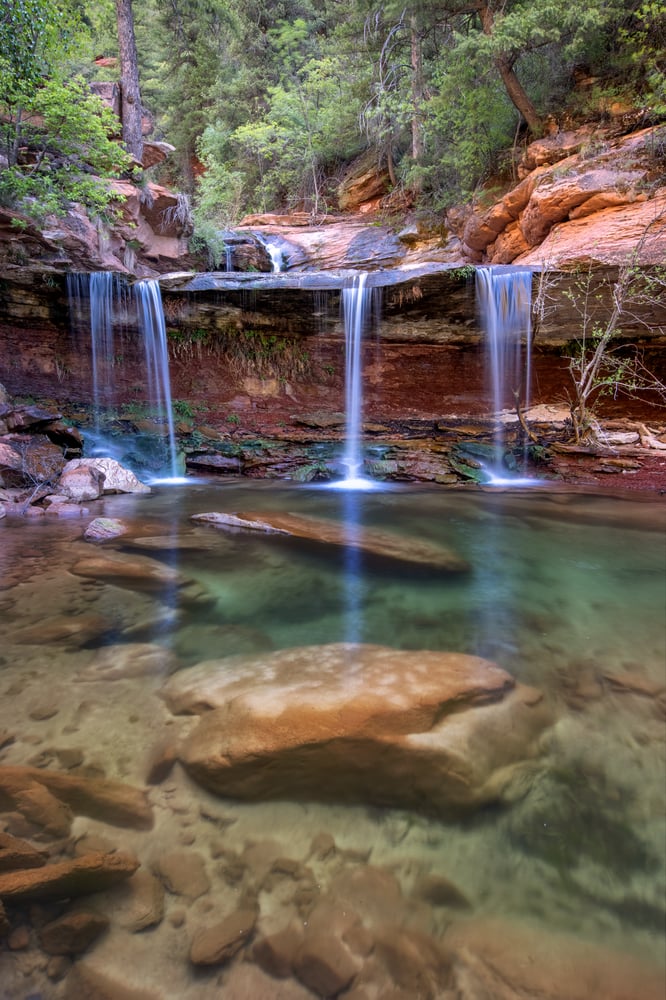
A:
611	236
558	194
425	730
109	801
75	877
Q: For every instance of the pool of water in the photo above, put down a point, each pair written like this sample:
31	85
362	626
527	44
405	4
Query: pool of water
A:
565	591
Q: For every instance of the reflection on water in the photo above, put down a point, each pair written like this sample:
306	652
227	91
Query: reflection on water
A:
565	592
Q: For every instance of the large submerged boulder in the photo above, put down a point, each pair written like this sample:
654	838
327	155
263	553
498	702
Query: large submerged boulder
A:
438	732
336	534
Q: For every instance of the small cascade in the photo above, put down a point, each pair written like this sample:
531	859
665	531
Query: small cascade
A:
504	296
274	251
151	321
228	258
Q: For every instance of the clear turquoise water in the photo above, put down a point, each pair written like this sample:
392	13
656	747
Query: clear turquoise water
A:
564	591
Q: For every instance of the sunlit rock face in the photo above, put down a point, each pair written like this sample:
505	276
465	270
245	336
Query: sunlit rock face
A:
148	237
438	732
584	198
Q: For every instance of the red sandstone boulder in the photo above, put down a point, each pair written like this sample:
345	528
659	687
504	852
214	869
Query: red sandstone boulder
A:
559	194
610	235
29	460
573	176
433	731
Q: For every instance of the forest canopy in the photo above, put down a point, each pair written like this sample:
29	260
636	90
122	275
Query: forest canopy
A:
268	103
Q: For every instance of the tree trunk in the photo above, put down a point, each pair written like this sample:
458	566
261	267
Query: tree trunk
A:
417	97
518	96
512	84
130	97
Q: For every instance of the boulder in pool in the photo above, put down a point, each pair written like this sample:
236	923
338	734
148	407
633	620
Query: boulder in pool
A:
430	731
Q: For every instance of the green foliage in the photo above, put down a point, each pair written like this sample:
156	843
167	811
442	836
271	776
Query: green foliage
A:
274	99
56	136
208	242
469	123
66	150
644	45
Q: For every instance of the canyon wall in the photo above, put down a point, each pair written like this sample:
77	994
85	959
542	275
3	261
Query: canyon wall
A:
272	349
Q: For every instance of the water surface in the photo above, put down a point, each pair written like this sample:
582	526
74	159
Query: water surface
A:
566	591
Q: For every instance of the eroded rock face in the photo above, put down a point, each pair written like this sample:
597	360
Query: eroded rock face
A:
431	731
584	198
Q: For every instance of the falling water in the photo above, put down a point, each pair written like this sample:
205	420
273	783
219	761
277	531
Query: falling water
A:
505	301
103	290
356	311
109	299
273	250
151	321
228	258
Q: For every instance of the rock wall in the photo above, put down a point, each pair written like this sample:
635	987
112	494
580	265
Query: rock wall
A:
271	351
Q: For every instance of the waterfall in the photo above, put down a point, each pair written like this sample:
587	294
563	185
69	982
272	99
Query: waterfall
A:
108	298
151	321
505	302
102	290
357	301
228	258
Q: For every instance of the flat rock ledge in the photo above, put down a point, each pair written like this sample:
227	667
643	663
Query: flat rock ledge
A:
383	544
435	732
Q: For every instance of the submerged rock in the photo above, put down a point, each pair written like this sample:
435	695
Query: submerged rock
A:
38	792
383	544
74	877
101	529
504	960
72	933
217	944
131	572
129	659
431	731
